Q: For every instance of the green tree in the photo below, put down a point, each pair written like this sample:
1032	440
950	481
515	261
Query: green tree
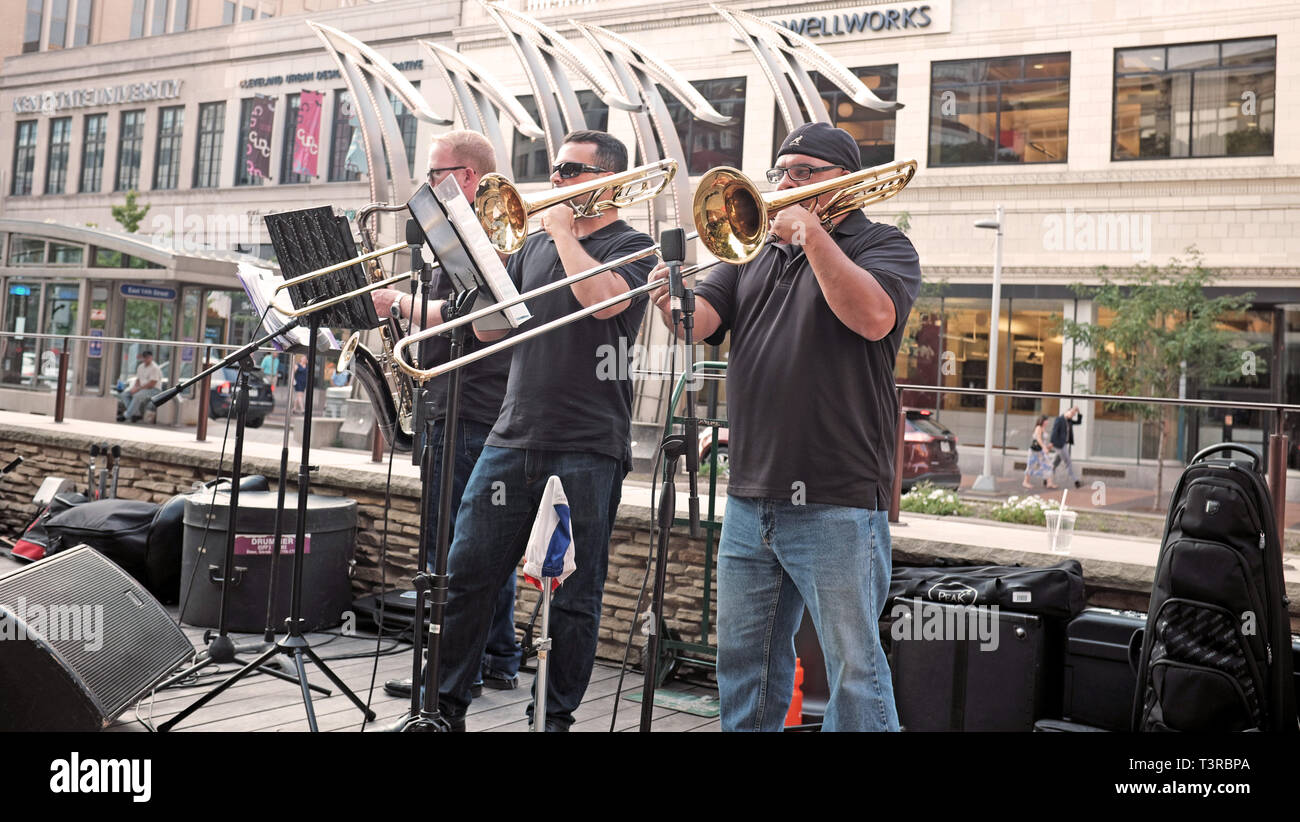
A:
129	214
1163	323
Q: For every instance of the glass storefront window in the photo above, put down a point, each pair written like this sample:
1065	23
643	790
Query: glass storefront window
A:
530	161
1199	100
26	251
22	314
64	254
1008	110
873	130
946	342
61	303
95	327
146	319
707	145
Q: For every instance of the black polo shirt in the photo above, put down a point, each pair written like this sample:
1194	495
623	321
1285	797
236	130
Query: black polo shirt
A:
562	394
482	383
809	400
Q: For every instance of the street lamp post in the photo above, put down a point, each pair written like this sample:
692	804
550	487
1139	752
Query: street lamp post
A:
985	481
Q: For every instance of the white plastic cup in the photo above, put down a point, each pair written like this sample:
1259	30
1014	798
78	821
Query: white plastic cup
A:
1060	530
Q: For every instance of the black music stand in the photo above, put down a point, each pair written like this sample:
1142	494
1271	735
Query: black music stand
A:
448	246
307	241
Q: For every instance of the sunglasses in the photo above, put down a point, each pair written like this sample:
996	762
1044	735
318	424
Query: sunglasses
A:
568	171
434	172
798	173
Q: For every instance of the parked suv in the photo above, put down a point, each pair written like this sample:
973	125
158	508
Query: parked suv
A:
929	451
260	397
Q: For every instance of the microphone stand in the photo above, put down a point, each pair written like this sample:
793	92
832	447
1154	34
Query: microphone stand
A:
426	715
673	447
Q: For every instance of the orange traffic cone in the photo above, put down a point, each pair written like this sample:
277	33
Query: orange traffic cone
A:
794	716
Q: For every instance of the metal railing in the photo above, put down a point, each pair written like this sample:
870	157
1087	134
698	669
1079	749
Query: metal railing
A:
61	388
1278	441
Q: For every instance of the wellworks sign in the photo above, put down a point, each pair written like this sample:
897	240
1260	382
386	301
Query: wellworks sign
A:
890	20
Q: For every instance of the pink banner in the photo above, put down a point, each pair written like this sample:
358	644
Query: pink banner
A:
307	138
257	150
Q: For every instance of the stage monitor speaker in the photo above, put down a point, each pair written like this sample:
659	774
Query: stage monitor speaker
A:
80	641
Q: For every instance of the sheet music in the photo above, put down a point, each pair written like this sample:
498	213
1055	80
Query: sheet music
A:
484	254
260	284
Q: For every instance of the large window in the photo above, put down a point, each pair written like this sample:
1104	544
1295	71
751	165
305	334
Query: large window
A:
228	12
1003	110
181	17
705	144
92	153
167	160
347	155
290	143
32	26
81	26
58	24
24	157
207	156
242	175
159	17
129	144
406	125
874	130
529	159
56	166
1198	100
137	18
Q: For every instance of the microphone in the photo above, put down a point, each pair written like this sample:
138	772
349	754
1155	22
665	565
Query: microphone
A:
672	249
17	461
415	238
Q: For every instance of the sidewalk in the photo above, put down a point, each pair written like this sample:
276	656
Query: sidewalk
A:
1109	498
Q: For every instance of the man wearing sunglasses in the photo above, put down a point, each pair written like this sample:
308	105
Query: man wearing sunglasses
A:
466	156
816	320
561	416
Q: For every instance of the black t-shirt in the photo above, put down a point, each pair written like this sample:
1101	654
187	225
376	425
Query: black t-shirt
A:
808	400
482	383
563	394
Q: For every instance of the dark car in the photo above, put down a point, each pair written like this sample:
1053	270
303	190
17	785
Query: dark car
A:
929	451
260	397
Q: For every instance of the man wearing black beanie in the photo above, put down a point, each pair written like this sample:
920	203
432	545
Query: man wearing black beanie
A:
816	320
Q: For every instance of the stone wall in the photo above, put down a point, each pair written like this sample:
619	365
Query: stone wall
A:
156	473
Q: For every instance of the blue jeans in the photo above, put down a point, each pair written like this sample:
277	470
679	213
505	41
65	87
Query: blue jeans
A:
772	558
134	405
502	656
492	528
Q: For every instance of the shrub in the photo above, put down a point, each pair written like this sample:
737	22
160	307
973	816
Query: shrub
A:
924	498
1024	510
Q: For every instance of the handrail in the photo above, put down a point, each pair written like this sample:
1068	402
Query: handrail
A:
1116	398
144	341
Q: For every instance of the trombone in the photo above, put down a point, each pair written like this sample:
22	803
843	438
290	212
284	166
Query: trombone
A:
422	375
726	231
313	307
504	212
732	217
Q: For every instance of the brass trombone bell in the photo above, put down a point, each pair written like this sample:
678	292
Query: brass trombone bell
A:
504	212
732	217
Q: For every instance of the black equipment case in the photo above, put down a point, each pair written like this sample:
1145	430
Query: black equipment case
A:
1003	683
1101	648
1216	655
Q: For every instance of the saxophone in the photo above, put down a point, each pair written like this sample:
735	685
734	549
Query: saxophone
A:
390	391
